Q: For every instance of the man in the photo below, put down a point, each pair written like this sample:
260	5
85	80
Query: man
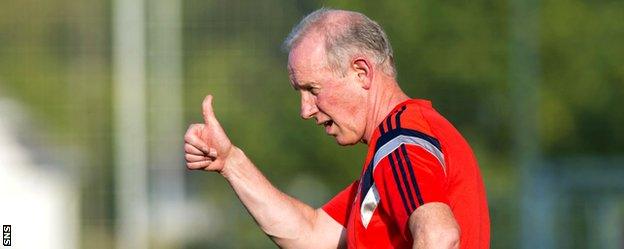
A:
420	185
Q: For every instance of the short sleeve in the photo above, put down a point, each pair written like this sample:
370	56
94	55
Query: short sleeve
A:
339	207
409	177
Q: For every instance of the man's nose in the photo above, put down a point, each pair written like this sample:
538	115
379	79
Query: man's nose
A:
308	107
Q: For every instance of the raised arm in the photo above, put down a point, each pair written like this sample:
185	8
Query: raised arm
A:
289	222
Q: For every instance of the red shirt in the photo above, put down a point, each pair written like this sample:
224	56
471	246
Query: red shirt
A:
414	157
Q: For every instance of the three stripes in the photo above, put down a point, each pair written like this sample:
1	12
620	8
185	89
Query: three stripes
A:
392	144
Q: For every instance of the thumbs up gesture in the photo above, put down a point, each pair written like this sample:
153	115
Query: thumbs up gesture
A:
206	146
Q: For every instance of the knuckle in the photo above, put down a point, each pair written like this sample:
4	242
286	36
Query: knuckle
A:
188	137
191	139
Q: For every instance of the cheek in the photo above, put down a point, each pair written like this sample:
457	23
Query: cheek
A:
352	114
355	109
329	103
344	104
354	104
339	107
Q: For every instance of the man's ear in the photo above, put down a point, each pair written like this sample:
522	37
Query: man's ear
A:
363	69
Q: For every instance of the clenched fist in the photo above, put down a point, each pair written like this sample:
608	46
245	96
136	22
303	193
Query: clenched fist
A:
206	146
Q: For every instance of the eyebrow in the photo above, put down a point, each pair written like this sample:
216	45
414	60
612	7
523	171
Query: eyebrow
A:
293	82
305	86
296	86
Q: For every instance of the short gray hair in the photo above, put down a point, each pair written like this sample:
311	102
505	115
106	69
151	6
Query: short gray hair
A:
358	35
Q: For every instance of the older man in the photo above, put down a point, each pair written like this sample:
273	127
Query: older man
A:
420	185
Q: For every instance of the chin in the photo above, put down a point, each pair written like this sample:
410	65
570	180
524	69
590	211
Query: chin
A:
346	141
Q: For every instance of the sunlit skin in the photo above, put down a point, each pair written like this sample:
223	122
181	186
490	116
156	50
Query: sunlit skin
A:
349	106
333	101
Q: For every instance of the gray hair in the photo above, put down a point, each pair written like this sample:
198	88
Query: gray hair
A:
357	34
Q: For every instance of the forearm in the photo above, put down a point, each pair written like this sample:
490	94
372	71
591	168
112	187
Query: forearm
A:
287	221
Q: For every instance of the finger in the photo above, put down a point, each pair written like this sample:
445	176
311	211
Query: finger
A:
194	140
192	131
190	158
190	149
212	152
199	144
198	165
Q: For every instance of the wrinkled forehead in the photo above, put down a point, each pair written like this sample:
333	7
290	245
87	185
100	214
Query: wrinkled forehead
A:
308	55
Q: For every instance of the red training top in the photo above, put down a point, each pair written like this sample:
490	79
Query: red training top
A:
415	157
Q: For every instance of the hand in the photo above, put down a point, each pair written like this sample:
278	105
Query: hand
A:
206	146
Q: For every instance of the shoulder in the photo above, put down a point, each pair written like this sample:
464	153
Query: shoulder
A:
405	121
408	115
407	125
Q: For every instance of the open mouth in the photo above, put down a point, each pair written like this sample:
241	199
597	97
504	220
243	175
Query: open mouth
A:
328	123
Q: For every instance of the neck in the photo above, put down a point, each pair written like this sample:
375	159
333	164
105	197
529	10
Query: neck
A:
383	97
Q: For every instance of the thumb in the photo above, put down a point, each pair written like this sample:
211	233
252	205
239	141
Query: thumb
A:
209	116
213	133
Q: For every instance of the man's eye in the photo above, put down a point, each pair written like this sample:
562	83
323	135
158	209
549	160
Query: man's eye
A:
313	90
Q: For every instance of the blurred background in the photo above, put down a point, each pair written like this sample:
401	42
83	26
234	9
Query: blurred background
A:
95	97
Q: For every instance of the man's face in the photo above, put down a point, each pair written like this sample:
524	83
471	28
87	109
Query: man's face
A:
335	102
